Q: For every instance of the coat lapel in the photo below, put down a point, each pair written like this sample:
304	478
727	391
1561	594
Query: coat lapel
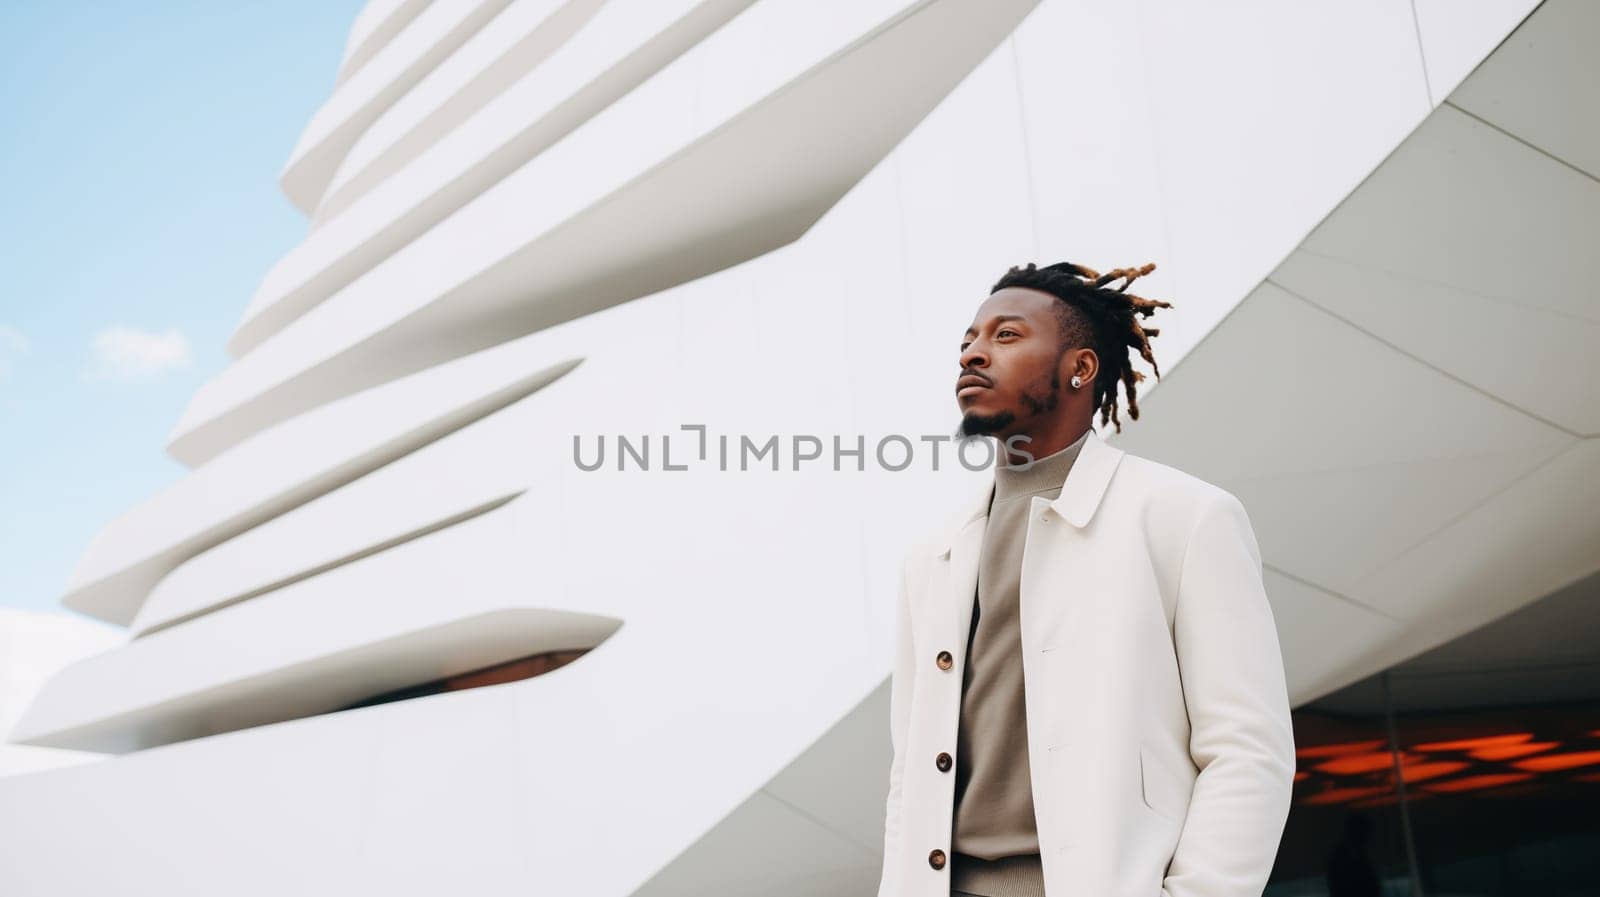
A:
1087	480
957	553
1080	496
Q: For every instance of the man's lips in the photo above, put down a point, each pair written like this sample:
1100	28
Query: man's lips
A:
971	382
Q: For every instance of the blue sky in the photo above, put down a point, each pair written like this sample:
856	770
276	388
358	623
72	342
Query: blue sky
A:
140	145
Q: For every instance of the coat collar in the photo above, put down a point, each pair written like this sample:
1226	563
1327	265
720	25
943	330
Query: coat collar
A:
1080	495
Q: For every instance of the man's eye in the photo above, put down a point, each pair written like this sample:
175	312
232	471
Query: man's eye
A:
1006	331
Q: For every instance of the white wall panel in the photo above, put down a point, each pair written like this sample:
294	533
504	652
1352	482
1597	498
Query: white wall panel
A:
521	37
964	195
1092	156
1543	85
542	247
1092	160
377	24
317	537
34	647
424	42
1469	573
309	794
1318	633
623	45
286	466
1456	36
454	769
1405	258
780	850
1266	115
448	603
1339	486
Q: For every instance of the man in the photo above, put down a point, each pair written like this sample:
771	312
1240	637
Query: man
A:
1151	752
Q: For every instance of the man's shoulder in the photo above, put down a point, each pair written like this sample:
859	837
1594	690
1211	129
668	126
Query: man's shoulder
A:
1171	486
932	535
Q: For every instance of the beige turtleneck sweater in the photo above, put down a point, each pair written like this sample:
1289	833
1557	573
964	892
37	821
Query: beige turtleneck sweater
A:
995	844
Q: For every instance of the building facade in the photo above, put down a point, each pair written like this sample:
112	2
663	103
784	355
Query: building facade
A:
540	537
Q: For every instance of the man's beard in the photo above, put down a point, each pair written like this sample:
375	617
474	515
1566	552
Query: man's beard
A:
1039	398
983	424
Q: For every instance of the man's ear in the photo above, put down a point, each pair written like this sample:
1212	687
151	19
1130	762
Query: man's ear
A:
1084	363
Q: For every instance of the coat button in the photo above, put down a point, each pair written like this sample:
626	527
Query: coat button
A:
942	761
945	660
936	859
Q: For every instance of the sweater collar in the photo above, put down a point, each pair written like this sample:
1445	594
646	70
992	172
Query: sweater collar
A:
1080	494
1036	475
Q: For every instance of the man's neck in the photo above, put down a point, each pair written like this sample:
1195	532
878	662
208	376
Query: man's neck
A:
1038	445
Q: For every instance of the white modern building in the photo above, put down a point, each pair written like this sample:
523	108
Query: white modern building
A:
389	636
33	648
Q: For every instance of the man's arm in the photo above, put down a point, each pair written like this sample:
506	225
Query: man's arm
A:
1241	735
899	723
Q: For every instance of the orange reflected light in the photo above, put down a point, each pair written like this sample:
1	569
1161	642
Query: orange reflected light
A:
1301	775
1550	762
1512	751
1421	772
1476	783
1357	764
1469	744
1334	750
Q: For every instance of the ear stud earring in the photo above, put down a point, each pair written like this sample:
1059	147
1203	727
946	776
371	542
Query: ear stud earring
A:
1076	381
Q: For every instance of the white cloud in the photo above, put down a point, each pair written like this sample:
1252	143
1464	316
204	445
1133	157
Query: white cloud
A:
12	344
127	353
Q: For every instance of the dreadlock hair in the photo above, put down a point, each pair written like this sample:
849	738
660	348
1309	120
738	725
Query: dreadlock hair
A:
1103	319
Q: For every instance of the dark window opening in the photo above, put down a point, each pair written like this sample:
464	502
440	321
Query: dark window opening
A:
509	671
1471	770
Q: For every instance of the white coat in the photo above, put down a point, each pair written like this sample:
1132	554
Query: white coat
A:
1159	736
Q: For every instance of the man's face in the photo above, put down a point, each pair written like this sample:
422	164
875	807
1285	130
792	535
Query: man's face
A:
1010	363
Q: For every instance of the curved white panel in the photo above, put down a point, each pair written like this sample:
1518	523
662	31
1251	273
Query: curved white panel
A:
289	465
622	46
433	35
470	471
520	38
377	24
581	227
438	606
34	645
312	539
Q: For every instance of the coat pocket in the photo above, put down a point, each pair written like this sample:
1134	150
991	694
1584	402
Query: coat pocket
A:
1160	792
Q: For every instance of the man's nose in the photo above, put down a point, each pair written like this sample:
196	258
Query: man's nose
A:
974	356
